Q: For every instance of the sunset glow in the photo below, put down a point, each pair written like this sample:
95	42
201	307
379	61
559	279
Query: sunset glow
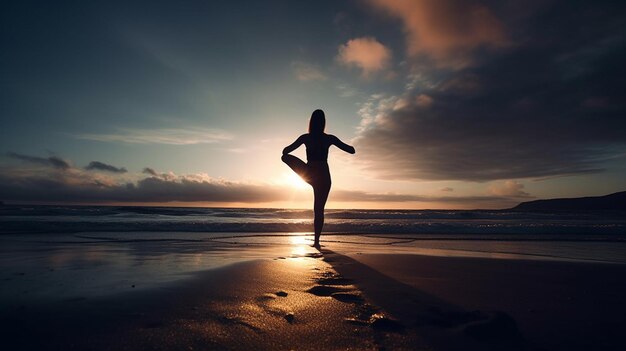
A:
294	181
440	101
313	175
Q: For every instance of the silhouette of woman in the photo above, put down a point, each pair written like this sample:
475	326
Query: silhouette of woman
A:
315	171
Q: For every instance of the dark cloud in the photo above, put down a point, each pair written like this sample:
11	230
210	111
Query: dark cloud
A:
550	104
77	186
52	161
150	171
73	187
351	195
99	166
161	190
361	196
509	188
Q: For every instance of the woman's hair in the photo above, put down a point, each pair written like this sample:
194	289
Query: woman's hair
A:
317	123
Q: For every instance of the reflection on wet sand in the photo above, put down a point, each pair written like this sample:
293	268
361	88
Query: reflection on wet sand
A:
93	264
193	289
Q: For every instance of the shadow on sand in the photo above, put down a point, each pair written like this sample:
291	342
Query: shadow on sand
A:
441	325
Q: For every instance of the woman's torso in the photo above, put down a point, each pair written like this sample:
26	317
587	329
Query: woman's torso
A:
317	147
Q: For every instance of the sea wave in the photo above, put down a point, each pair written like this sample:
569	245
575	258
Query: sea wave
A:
54	219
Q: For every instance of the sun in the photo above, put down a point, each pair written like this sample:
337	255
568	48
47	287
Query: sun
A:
294	181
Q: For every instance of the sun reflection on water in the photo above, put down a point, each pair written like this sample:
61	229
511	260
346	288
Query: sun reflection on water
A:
298	240
299	245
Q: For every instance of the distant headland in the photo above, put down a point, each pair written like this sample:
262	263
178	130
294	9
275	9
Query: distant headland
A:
615	201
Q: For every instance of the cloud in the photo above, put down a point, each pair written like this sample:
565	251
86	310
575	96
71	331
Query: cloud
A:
361	196
351	195
463	142
595	102
524	112
150	171
170	136
510	188
366	53
463	83
152	189
423	100
74	185
346	90
446	31
99	166
52	161
307	72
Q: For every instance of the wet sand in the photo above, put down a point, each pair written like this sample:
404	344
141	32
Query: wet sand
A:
337	301
294	302
556	305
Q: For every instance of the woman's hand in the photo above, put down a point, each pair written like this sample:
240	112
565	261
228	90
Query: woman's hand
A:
296	144
343	146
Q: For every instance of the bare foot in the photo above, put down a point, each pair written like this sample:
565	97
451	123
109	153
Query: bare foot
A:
317	246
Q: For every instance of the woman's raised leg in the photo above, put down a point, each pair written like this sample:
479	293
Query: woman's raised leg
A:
297	165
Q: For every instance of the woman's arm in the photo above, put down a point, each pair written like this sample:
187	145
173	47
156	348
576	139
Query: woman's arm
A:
296	144
343	146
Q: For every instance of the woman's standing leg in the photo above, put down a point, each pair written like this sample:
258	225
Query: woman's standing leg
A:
319	178
320	193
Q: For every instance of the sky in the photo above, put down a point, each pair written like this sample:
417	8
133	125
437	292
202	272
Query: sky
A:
449	103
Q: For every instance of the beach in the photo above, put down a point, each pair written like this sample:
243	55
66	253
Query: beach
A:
120	278
556	305
288	302
287	295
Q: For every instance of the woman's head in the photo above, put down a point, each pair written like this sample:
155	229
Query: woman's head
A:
317	123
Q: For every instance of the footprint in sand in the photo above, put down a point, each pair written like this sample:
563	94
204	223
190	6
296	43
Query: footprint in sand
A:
266	297
376	321
332	284
349	297
238	321
324	290
340	293
334	280
382	323
340	288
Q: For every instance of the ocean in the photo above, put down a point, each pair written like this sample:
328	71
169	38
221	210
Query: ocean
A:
67	251
459	223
